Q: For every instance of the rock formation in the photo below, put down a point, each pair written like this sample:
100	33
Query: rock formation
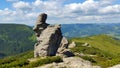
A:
49	38
50	42
40	24
71	62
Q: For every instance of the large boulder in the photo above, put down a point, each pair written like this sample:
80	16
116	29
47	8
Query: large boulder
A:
48	37
48	41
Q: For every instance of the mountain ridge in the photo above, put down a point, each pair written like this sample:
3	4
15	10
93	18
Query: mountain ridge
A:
15	38
84	30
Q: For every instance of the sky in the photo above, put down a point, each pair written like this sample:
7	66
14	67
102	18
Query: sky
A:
60	11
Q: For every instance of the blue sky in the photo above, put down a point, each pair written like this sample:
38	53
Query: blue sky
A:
60	11
8	4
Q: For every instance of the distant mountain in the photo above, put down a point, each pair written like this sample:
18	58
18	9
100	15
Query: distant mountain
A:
84	30
15	39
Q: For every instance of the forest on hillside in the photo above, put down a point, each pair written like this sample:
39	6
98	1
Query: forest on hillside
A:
15	39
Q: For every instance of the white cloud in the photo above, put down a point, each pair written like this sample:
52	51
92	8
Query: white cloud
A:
32	15
7	15
106	2
24	6
114	9
93	11
52	7
38	3
89	11
87	7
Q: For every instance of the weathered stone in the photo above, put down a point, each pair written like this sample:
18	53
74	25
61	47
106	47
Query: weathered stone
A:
63	50
48	36
86	44
63	45
65	53
40	24
48	41
72	45
71	62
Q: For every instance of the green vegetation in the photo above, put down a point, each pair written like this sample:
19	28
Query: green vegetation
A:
16	61
15	39
21	61
43	61
102	50
85	30
105	50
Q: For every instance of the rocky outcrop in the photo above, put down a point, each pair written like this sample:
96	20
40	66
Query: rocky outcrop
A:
63	45
116	66
49	39
40	24
71	62
72	45
63	50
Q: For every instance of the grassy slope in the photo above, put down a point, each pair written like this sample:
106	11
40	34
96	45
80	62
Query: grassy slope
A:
21	61
102	42
106	49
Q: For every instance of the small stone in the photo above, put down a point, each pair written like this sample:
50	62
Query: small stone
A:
72	45
85	44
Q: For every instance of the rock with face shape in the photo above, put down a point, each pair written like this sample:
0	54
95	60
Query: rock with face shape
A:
48	36
40	24
50	39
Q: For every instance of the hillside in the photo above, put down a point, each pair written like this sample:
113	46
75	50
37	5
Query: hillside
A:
84	30
102	42
103	50
21	61
15	38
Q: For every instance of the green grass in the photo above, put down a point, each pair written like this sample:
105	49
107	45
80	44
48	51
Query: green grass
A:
16	61
21	61
105	48
101	42
43	61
